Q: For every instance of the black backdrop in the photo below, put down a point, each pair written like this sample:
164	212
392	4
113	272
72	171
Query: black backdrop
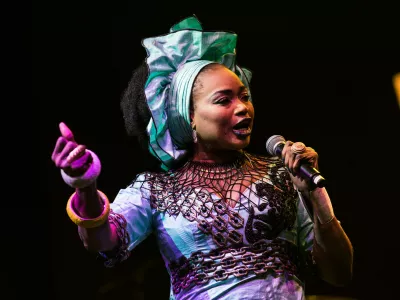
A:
324	78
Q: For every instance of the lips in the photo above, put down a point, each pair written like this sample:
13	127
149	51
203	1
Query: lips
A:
244	123
242	128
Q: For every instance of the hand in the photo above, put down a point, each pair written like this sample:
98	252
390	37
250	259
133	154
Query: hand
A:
292	163
75	163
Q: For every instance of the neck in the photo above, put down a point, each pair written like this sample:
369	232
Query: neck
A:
216	156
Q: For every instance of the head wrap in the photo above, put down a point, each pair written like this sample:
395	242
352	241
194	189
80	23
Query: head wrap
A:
174	60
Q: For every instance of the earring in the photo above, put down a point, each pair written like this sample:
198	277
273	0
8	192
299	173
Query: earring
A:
194	134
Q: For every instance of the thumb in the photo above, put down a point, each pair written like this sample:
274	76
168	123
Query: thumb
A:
66	132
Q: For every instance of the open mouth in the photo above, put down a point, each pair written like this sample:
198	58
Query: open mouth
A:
243	128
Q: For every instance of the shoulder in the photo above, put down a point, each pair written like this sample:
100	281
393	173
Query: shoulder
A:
148	179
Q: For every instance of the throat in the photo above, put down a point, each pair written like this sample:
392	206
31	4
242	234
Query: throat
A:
216	157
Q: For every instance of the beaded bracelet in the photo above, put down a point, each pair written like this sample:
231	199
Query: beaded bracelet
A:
93	222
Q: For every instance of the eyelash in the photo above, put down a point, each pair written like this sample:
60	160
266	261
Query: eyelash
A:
244	97
222	100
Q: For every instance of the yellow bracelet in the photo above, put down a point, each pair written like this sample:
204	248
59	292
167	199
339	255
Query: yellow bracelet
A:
89	223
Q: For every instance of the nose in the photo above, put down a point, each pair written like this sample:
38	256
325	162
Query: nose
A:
241	108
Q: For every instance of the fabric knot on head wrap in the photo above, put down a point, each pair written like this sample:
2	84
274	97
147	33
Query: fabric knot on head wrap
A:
174	61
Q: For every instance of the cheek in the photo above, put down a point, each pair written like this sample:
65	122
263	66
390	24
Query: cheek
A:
214	122
251	109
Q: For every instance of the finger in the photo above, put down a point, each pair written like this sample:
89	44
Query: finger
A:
312	152
80	161
66	132
289	158
79	164
296	163
76	153
61	142
299	157
285	149
290	161
61	159
309	155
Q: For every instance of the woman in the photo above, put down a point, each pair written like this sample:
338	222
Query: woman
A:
229	224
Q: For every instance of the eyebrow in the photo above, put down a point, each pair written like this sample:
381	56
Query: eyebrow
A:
229	91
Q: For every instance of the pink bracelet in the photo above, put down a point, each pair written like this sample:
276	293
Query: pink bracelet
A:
88	177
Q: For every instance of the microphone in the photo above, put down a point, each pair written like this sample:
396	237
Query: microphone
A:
275	146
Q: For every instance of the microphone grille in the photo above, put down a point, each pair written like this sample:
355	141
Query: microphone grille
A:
272	141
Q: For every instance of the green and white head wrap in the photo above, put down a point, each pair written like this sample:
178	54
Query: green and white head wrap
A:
174	60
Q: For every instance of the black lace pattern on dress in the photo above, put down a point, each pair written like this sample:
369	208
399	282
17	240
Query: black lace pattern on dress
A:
260	185
121	252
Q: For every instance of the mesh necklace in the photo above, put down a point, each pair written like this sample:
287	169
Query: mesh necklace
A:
217	171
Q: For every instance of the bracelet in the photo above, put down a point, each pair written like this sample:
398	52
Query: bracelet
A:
327	222
89	223
86	178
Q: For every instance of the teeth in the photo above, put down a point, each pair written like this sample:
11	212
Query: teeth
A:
242	131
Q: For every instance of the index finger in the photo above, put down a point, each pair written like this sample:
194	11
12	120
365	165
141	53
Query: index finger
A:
66	132
288	144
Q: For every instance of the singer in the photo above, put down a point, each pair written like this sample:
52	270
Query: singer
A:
229	224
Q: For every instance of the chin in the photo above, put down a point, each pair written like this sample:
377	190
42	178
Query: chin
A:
241	144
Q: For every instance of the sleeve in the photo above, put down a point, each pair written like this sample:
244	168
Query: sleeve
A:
131	214
133	203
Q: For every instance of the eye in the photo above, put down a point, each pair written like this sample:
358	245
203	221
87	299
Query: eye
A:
223	100
245	97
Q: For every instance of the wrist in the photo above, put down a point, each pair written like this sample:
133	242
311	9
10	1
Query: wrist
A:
322	205
89	222
90	173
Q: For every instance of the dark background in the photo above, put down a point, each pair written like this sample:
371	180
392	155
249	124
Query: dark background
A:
321	75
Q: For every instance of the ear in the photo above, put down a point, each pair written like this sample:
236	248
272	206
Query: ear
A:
191	115
192	124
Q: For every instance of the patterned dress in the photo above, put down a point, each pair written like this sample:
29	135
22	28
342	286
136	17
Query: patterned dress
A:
225	231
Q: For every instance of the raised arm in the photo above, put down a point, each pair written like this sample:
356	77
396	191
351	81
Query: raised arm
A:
87	207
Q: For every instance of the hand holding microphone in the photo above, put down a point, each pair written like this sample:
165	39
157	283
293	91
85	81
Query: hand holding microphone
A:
301	161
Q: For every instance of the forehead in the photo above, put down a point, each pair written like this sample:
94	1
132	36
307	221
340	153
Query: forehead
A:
217	78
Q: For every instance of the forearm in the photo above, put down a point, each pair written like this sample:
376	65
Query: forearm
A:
332	250
88	204
87	201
